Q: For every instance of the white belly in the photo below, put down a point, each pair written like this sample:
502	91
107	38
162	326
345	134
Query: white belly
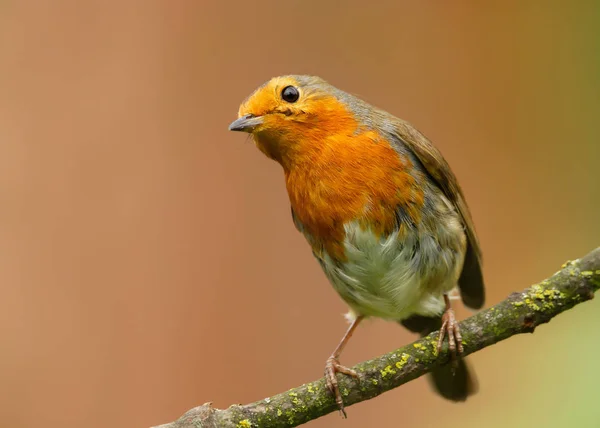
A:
394	278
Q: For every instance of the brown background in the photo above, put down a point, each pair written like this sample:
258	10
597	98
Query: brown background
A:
148	262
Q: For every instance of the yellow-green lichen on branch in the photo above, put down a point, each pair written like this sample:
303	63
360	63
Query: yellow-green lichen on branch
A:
403	360
388	370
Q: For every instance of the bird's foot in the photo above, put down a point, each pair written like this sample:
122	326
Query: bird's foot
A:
332	367
451	329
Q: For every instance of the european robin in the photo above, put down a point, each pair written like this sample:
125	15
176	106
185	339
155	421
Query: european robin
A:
381	209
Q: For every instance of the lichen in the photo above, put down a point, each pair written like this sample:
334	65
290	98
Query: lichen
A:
434	347
388	370
495	330
531	304
541	299
403	360
244	424
290	416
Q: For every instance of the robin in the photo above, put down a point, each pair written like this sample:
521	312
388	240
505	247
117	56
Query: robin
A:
381	210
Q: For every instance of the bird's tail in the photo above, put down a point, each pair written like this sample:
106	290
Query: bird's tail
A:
455	385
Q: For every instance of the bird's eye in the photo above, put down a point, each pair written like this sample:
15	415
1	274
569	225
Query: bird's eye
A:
290	94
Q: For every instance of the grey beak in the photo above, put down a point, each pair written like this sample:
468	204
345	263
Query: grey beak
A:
245	123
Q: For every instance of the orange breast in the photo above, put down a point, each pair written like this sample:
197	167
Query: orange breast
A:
341	178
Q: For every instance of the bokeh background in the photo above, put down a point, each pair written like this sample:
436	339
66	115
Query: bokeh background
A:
148	261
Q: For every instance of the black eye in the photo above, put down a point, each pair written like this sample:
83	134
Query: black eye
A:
290	94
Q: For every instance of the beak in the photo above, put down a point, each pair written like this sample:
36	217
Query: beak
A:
246	123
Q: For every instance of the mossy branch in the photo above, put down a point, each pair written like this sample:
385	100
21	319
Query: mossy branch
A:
521	312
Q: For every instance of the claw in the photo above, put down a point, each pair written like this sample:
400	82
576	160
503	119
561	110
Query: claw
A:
332	367
450	328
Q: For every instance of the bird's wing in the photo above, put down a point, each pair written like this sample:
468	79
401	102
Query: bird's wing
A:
471	278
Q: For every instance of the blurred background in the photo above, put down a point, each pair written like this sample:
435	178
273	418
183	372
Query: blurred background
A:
148	261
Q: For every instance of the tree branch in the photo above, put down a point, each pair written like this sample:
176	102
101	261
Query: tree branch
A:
521	312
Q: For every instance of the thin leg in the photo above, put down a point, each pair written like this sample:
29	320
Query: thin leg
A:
451	329
333	366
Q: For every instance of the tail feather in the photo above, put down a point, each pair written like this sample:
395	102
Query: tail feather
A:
470	281
455	385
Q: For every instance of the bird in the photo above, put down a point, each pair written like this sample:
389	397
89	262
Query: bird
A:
381	209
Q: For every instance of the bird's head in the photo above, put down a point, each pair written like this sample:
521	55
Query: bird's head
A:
290	117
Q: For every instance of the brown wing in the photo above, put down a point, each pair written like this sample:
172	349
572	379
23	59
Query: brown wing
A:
471	278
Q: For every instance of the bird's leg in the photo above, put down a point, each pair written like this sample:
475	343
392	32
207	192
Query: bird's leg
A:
333	366
451	329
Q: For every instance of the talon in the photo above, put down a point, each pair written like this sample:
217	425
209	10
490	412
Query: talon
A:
332	366
442	336
461	350
347	371
451	329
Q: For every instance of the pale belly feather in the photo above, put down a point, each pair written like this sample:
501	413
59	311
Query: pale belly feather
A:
395	277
